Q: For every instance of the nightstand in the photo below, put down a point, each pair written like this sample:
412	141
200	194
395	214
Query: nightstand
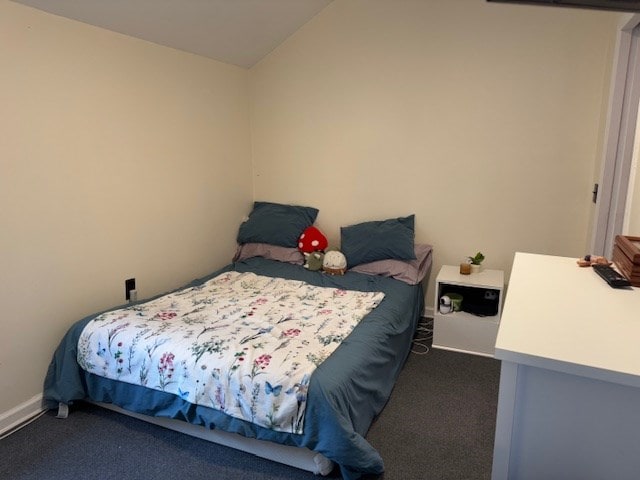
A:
474	328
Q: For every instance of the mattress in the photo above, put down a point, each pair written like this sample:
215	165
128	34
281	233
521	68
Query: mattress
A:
345	392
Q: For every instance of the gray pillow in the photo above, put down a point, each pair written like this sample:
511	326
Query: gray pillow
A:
271	252
276	224
378	240
408	271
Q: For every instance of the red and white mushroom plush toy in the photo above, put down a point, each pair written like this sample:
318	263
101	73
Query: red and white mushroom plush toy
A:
312	240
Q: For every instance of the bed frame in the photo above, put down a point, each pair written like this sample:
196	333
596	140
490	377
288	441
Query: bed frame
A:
298	457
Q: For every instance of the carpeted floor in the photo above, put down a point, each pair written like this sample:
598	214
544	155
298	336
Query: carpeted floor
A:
438	424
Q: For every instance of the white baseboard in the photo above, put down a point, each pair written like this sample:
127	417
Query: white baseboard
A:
20	414
427	312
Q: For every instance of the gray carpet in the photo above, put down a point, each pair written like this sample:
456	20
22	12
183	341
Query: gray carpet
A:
438	424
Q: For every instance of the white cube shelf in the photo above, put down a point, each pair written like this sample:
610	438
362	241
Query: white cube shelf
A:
462	331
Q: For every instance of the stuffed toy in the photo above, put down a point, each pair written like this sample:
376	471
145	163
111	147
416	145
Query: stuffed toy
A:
589	260
312	240
313	261
334	263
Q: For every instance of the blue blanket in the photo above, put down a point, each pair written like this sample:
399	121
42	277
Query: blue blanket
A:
345	393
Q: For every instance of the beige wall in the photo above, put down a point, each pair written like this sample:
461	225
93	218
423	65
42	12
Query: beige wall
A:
483	119
118	159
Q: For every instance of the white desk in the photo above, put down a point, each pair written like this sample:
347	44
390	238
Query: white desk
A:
569	402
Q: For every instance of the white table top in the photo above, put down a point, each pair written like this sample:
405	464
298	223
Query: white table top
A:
485	278
562	317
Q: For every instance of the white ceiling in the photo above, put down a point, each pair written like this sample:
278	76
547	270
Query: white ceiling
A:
240	32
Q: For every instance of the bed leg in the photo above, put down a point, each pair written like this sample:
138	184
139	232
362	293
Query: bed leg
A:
324	466
63	410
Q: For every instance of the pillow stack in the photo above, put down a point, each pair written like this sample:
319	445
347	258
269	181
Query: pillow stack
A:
272	231
379	240
276	224
387	248
381	247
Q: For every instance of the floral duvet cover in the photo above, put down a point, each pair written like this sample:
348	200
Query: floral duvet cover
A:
241	343
344	394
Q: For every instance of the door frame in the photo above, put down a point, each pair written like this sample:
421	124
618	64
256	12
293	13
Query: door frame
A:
620	133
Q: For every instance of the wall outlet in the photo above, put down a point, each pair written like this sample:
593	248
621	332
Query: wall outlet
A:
129	285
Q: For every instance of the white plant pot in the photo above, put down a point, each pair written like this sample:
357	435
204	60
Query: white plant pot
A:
476	268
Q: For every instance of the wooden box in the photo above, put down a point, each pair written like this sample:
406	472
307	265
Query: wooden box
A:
626	256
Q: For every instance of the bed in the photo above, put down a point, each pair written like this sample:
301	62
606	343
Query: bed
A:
342	396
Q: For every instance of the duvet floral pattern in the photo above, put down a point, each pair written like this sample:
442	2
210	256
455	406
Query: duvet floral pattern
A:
241	343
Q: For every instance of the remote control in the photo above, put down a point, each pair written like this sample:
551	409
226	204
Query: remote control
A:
613	278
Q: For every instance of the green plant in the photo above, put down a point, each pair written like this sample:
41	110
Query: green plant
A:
477	259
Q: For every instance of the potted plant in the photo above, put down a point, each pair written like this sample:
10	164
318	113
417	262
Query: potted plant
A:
476	262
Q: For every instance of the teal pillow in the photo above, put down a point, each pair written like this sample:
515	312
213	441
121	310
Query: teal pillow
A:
276	224
379	240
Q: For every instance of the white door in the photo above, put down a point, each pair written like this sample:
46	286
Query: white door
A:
631	224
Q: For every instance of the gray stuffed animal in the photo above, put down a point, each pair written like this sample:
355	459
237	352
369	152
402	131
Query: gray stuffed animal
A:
313	261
